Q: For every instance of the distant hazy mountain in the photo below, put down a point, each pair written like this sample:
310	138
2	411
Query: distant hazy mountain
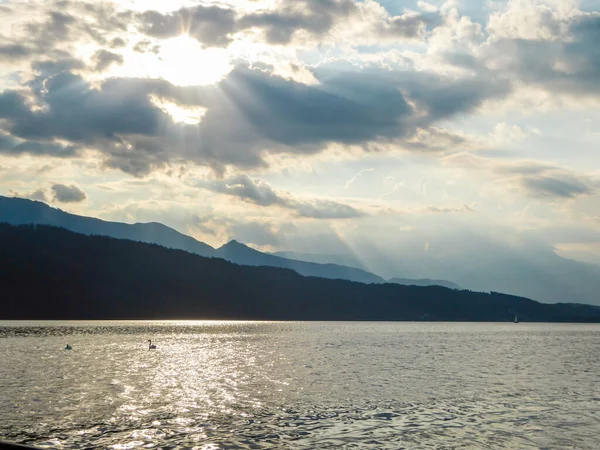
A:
530	271
19	211
241	254
320	258
424	282
352	261
52	273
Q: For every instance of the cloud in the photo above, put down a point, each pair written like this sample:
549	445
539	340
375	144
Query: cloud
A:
14	146
549	44
118	43
445	210
146	46
538	179
261	193
283	21
254	112
248	189
556	186
408	26
315	17
528	20
248	114
38	194
54	28
210	25
76	113
11	52
325	209
68	194
103	59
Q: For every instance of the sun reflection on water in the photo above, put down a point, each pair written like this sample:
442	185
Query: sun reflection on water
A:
281	385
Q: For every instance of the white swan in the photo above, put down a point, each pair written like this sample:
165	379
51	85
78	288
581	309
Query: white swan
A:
150	346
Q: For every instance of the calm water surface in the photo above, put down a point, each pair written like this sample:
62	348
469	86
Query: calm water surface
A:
217	385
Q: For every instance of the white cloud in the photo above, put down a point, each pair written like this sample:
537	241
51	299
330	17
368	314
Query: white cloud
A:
456	114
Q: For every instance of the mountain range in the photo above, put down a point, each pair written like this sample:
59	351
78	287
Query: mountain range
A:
524	269
52	273
18	211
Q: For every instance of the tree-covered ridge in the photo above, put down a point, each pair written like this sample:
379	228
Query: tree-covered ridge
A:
52	273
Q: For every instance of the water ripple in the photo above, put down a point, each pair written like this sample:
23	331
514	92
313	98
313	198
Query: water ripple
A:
216	385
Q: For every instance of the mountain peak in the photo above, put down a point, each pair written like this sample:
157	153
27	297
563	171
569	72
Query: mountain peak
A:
234	244
19	211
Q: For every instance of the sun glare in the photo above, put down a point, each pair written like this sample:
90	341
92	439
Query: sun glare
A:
181	61
179	114
184	62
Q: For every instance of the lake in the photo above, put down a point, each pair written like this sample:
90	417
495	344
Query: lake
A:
300	385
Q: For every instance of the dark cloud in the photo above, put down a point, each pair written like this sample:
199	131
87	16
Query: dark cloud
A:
249	114
569	65
118	43
214	26
443	98
11	146
527	168
556	186
57	28
68	194
210	25
242	186
77	112
252	111
409	26
315	17
13	105
118	119
12	52
259	192
103	59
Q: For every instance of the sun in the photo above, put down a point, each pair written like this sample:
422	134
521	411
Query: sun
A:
181	61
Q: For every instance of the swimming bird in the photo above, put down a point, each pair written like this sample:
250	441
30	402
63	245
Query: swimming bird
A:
68	347
150	346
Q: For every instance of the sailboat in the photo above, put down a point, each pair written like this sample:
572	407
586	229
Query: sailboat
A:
516	319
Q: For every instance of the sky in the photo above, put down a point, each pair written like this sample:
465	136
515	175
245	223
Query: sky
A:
329	126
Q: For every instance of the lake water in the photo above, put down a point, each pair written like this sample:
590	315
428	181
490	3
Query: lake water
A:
214	385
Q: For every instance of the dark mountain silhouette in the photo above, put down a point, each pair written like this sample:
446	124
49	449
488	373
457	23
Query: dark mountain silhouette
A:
424	282
53	273
19	211
242	254
529	272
